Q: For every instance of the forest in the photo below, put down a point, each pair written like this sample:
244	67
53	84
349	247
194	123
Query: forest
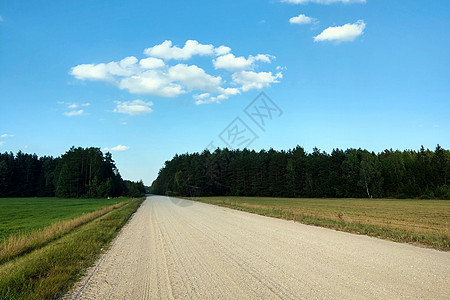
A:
80	172
353	173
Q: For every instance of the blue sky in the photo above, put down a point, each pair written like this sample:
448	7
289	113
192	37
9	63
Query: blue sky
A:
148	79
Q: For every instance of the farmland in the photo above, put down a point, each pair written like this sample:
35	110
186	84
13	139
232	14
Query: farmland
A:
25	215
421	222
42	262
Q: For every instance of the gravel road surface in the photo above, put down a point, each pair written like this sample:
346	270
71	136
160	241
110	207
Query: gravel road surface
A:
178	249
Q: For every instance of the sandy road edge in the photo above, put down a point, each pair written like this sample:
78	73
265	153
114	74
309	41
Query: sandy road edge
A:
79	285
337	229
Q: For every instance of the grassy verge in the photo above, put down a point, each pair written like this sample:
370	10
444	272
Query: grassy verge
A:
19	244
20	216
50	271
420	222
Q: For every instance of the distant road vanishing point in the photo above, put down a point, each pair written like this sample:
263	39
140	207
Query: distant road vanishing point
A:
171	250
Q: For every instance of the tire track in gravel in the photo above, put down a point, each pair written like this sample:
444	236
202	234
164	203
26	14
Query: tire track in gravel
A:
198	251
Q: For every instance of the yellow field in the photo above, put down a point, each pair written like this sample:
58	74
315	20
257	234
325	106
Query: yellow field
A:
425	222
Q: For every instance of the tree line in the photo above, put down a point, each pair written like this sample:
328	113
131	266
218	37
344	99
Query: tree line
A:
80	172
296	173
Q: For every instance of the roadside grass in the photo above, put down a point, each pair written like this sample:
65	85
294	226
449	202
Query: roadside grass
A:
17	245
24	215
420	222
50	271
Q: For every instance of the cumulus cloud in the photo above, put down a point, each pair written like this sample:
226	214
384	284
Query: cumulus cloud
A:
91	72
151	63
255	80
345	33
133	108
74	113
194	78
301	19
203	98
167	51
105	72
156	76
5	135
222	50
118	148
323	1
224	94
232	63
229	91
152	82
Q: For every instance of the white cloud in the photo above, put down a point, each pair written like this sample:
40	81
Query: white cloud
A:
194	78
255	80
118	148
203	98
5	135
91	72
165	50
106	72
222	50
206	98
125	67
301	19
128	61
133	108
154	76
230	91
73	107
345	33
2	143
262	57
152	82
232	63
323	1
73	113
151	63
1	19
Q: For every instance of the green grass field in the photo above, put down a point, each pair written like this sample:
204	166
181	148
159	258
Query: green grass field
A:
63	238
25	215
423	222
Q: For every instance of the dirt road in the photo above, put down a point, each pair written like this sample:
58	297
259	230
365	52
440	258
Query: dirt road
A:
174	249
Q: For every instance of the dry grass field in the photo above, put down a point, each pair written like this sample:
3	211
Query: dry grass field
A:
422	222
